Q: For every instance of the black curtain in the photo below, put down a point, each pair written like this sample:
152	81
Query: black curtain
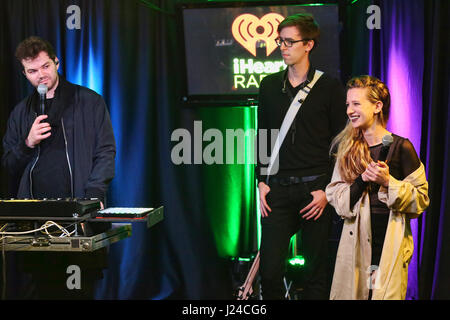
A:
434	272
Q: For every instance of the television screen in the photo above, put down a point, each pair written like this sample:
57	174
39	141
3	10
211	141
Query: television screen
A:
230	48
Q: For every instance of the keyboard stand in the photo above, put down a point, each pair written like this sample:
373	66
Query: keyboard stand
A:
66	244
121	229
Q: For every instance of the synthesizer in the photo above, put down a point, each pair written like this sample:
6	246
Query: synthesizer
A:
122	212
48	208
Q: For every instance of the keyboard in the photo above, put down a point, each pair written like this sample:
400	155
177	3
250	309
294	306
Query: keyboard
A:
58	208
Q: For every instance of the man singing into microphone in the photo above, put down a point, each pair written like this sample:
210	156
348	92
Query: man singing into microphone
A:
67	152
294	197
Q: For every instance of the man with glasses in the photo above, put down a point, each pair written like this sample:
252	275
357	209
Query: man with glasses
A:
293	198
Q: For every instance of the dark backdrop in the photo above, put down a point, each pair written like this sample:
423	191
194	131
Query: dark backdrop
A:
128	51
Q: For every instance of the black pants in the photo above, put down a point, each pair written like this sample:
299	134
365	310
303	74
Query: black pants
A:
277	229
53	286
48	271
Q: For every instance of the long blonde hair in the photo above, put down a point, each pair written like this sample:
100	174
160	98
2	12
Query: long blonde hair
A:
353	155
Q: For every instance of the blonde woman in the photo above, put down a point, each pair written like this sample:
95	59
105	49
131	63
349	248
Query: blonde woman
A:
375	198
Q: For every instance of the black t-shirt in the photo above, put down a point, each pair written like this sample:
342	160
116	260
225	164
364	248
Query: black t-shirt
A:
51	174
305	150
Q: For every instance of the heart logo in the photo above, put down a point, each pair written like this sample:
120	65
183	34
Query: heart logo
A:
248	29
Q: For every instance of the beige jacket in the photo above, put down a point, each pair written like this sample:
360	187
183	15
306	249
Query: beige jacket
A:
406	199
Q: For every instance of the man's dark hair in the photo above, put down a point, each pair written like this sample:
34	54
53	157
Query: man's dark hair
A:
32	46
306	26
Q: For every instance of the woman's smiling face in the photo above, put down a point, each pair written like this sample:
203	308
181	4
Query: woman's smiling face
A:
361	112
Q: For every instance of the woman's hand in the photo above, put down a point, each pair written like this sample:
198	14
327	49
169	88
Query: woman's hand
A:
378	173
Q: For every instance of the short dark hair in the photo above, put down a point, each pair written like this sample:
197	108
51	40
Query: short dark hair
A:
32	46
306	26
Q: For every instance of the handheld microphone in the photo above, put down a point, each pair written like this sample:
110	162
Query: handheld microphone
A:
42	90
386	141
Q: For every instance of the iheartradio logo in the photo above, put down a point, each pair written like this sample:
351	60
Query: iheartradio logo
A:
248	29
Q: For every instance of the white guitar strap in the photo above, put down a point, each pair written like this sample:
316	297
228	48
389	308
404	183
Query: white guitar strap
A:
290	116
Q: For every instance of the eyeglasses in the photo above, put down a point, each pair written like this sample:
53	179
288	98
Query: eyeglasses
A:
287	42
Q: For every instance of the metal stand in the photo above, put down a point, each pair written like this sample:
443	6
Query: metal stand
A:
36	242
246	290
66	244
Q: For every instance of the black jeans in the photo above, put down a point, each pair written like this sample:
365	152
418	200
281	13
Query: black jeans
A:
277	229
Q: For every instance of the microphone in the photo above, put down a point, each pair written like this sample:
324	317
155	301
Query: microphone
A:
284	87
386	141
42	90
285	75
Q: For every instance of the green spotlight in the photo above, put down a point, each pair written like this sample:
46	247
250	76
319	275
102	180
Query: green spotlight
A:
241	259
311	4
297	261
